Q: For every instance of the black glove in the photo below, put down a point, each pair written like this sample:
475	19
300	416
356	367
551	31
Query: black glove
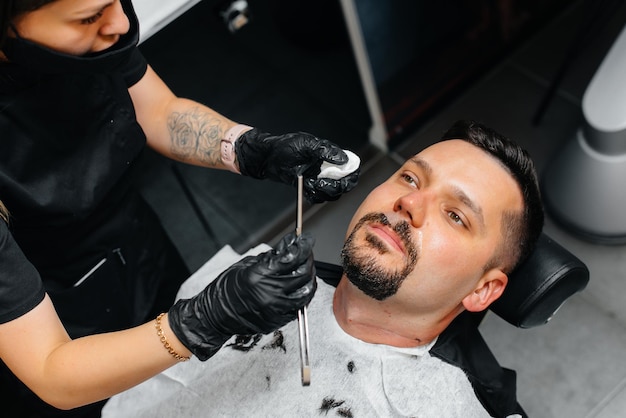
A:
255	295
281	158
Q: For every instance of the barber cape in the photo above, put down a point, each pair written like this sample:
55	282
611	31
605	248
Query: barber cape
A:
259	376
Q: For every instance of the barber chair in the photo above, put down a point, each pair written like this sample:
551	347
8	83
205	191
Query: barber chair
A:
535	292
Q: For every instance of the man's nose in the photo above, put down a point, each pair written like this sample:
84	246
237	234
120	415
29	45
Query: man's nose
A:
115	21
412	206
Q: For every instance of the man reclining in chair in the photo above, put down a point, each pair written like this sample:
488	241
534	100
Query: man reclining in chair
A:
438	238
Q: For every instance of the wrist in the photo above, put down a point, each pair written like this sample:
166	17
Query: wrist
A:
168	339
227	146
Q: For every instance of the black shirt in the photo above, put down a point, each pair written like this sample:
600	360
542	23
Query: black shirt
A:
21	288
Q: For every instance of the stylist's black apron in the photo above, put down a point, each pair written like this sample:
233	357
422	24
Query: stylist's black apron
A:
69	145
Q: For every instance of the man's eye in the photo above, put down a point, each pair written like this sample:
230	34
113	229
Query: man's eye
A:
410	179
456	218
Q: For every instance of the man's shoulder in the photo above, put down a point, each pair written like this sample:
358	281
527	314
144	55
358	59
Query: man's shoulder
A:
462	346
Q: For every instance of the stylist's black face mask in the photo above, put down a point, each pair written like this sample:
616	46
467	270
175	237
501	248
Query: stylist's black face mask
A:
44	60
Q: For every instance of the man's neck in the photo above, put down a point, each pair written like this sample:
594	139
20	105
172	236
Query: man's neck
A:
377	322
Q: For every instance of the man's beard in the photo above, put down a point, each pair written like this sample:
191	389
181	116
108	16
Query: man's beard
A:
364	271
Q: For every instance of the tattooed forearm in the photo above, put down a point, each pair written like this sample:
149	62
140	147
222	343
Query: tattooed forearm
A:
195	136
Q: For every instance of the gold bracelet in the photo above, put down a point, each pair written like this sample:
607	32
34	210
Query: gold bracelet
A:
166	344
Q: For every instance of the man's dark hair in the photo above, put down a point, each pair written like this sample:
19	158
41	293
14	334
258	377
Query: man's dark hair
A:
520	231
10	9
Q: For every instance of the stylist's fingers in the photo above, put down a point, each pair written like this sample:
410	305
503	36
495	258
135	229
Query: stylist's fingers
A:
323	189
291	262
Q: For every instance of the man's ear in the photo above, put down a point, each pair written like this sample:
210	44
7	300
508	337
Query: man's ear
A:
489	288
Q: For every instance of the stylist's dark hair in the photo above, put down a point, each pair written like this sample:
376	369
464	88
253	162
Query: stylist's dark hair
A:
10	9
520	231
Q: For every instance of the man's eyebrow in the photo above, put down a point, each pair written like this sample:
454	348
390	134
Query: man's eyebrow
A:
421	164
472	205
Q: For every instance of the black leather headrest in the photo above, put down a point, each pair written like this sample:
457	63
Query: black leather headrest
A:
539	286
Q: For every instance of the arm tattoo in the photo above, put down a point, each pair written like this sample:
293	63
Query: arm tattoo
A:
195	135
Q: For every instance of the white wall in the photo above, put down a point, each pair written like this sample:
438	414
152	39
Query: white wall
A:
154	15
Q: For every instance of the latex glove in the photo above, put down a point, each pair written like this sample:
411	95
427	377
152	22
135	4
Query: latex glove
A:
281	158
258	294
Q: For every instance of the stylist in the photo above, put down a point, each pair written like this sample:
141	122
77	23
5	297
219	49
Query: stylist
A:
78	103
255	295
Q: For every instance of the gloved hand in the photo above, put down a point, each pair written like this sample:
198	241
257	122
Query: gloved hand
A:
281	158
255	295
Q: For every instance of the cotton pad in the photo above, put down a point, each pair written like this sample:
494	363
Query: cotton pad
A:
335	172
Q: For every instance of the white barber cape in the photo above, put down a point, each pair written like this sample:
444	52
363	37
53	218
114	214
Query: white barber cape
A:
260	376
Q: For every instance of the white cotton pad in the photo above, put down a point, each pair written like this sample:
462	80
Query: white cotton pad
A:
335	172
